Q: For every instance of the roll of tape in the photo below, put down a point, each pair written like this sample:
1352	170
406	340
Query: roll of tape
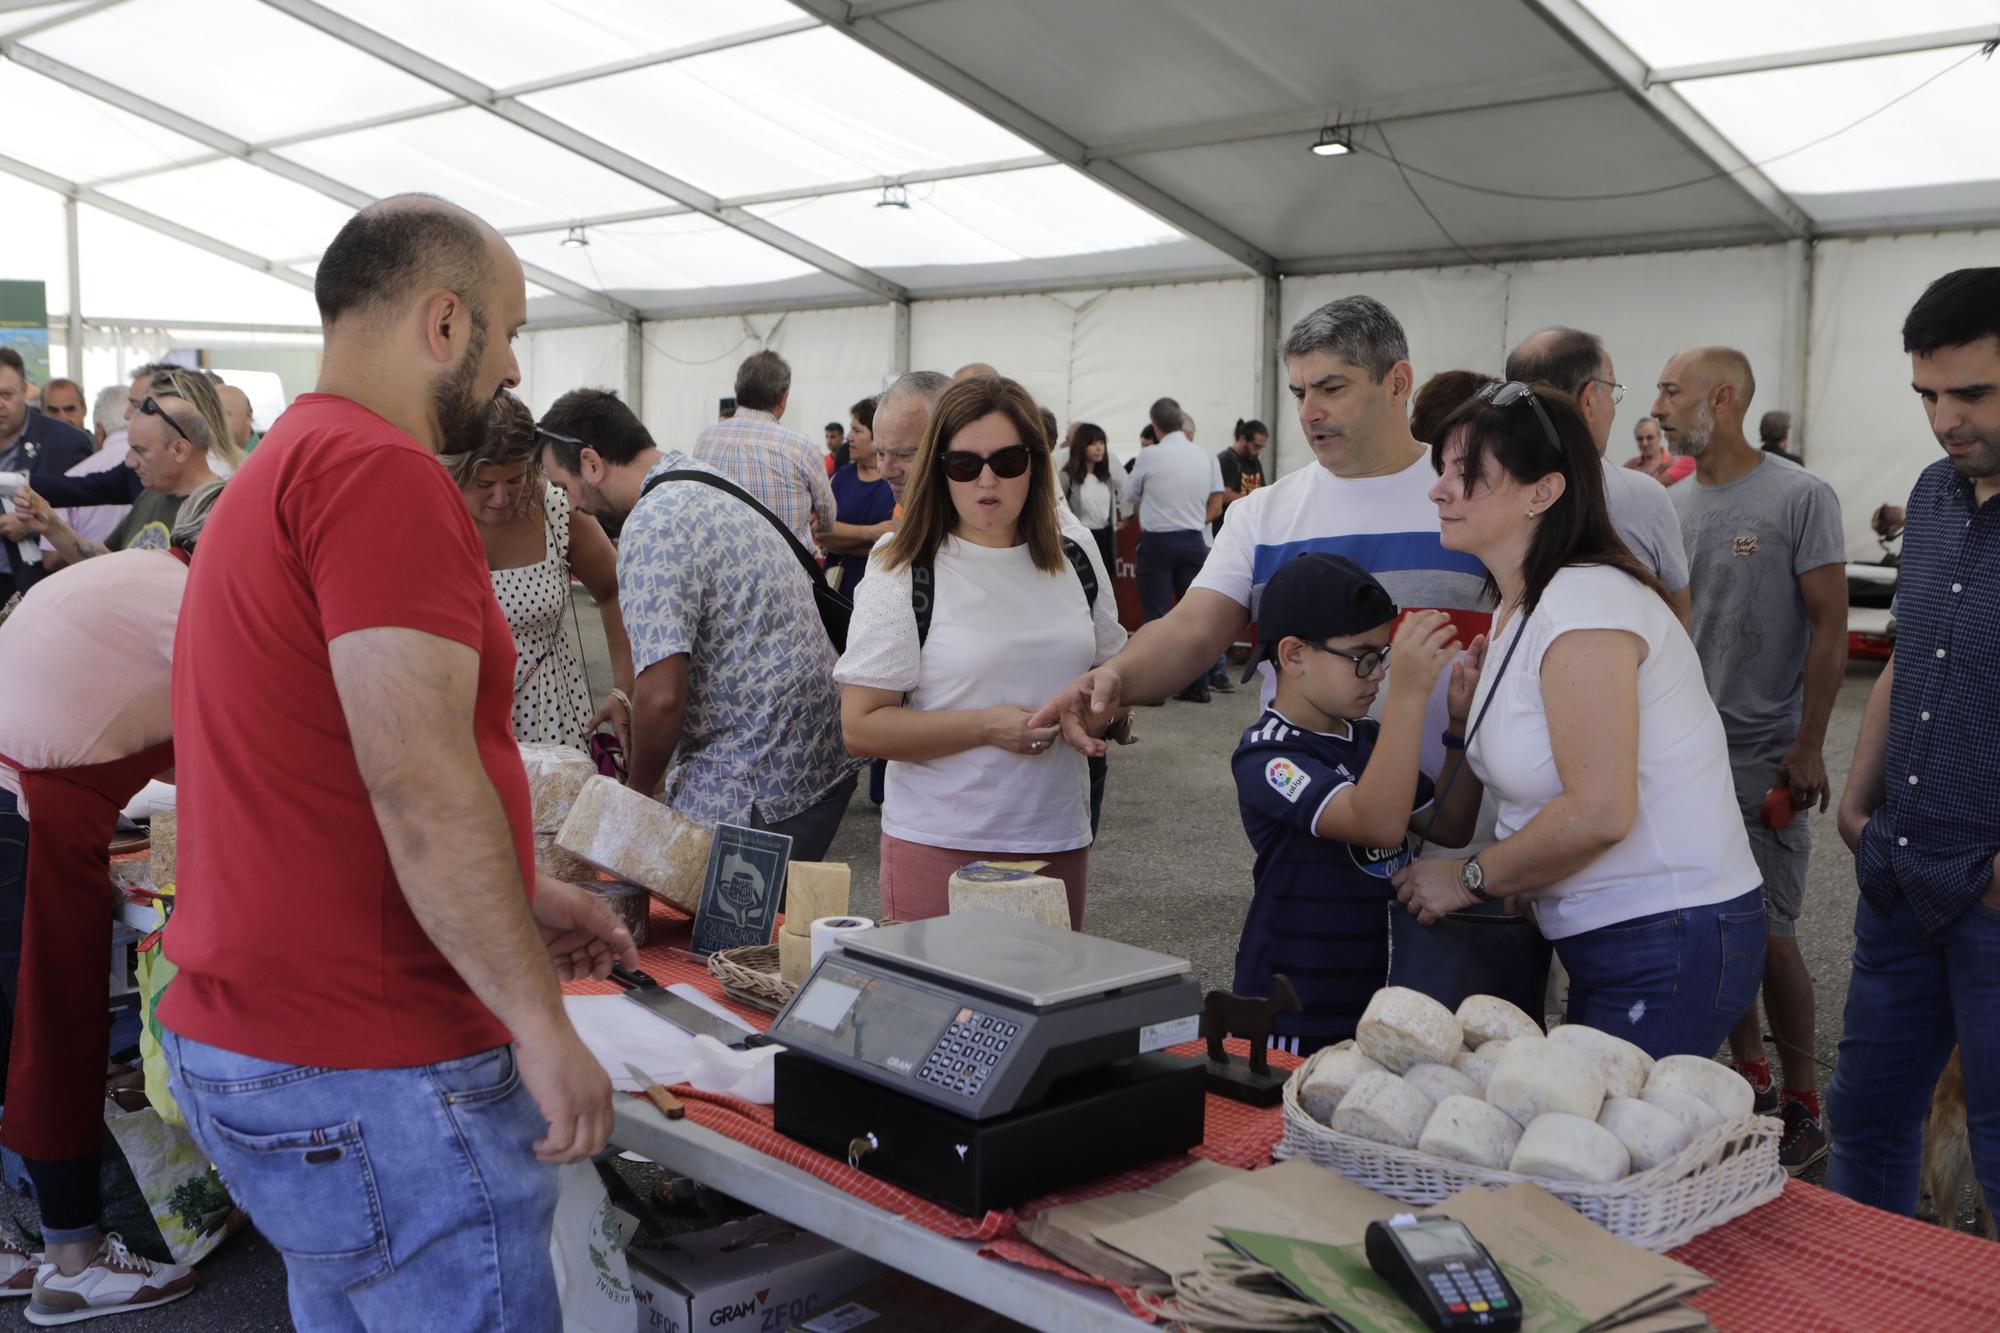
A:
828	931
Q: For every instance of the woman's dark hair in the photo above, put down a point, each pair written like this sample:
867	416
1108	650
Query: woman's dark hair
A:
1576	529
928	513
1442	394
1081	436
864	412
1251	429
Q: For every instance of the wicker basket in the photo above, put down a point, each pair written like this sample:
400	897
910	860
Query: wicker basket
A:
749	975
1723	1173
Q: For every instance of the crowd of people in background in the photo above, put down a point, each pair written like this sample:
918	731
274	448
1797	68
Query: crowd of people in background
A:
1499	673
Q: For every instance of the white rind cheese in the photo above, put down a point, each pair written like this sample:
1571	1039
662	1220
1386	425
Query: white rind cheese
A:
1465	1129
556	773
1724	1089
1479	1065
1651	1134
1402	1028
1558	1146
1438	1082
1333	1074
1537	1078
1623	1065
1384	1109
1693	1112
1489	1018
979	887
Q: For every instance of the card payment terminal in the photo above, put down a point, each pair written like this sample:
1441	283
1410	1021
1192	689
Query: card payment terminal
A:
1444	1274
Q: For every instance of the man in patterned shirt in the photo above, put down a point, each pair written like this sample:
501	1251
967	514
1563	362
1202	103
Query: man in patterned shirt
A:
1921	809
778	465
734	704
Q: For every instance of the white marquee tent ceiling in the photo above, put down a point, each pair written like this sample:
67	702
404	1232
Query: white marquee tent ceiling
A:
193	158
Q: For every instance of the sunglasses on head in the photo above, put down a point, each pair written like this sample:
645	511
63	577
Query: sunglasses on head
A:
152	408
1008	463
1512	392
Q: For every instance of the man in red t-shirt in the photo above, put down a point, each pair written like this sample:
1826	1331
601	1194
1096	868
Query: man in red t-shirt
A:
366	1033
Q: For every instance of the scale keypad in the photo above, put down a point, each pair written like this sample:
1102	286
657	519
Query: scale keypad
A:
970	1049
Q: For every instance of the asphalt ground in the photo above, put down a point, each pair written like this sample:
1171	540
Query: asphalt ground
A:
1170	871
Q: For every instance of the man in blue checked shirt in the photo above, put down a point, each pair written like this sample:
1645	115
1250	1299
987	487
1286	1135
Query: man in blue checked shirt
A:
1922	805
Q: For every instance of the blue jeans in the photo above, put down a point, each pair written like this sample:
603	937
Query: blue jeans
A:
1673	983
400	1198
1910	997
1168	563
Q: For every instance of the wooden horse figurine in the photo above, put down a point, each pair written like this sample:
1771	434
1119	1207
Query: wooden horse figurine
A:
1225	1015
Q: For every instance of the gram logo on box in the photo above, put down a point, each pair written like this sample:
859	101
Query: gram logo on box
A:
1287	779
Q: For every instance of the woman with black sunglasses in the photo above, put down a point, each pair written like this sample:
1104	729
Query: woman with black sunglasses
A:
973	611
1595	732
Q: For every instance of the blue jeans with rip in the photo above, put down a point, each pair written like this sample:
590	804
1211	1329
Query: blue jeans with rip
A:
1673	983
399	1198
1910	998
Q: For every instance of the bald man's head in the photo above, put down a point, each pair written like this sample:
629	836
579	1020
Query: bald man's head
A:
972	370
392	252
1704	391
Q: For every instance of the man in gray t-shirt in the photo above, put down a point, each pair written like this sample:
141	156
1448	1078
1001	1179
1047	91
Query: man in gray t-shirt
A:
1768	556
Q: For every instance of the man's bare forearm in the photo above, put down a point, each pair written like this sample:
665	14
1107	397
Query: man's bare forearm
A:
659	708
1167	653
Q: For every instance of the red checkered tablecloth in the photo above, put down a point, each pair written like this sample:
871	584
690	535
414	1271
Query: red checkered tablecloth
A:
1807	1260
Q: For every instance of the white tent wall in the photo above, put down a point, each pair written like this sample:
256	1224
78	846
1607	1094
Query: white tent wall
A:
554	361
1869	438
1105	355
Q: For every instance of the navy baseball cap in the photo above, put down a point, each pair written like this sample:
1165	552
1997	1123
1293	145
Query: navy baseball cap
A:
1316	596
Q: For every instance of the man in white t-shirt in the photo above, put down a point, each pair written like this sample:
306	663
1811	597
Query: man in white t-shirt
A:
1368	499
1178	491
1579	364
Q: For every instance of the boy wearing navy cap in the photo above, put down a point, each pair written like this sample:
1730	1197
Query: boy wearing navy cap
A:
1329	794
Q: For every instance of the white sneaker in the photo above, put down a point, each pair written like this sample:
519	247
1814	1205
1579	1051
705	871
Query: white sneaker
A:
116	1281
17	1271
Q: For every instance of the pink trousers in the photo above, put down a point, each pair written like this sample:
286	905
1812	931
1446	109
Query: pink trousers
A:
915	876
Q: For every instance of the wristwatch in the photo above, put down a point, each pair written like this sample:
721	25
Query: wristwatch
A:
1472	878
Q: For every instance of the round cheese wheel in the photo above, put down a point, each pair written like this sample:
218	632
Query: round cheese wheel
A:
1651	1134
1693	1112
1559	1146
1623	1065
1467	1130
1328	1079
1383	1109
1489	1018
1723	1088
1438	1082
1478	1065
1535	1078
1401	1028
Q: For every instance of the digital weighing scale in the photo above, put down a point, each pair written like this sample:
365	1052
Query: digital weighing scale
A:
981	1060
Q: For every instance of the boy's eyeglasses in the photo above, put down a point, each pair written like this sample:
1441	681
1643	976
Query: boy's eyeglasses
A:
1008	463
1364	662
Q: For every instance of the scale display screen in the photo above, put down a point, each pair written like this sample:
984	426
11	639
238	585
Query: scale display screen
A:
886	1022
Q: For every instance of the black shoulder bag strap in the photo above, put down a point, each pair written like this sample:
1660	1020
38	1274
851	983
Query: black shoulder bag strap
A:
923	587
835	610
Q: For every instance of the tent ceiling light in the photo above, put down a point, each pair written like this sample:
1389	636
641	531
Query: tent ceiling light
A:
894	196
576	237
1333	141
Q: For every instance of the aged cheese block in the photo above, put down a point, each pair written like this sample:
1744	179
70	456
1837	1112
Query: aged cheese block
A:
1438	1082
1383	1109
1401	1027
1558	1146
1333	1074
165	830
794	957
980	887
557	863
1693	1112
1724	1089
814	889
1489	1018
556	773
1535	1078
1623	1065
632	904
1650	1134
1467	1130
1479	1065
638	839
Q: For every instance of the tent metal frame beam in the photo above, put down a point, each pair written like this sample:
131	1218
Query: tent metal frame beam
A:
1827	55
197	325
1444	102
1588	35
55	20
1601	247
438	75
875	34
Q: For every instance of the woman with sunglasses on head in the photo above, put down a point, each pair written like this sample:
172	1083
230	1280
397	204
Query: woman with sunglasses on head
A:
535	543
1594	731
1090	488
984	556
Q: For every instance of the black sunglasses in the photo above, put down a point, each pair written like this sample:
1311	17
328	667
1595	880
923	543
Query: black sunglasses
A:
1008	463
1512	392
153	409
543	432
1364	662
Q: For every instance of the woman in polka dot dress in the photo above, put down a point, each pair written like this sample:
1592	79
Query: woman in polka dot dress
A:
534	545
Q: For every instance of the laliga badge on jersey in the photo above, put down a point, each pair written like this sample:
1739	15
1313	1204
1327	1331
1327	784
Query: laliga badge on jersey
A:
1287	779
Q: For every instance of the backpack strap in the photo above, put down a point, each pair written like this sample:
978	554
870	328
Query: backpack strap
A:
923	586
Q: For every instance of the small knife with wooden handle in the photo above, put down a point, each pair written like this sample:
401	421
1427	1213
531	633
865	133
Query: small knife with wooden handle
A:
670	1105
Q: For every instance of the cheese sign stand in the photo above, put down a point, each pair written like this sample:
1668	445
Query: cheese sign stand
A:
981	1059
